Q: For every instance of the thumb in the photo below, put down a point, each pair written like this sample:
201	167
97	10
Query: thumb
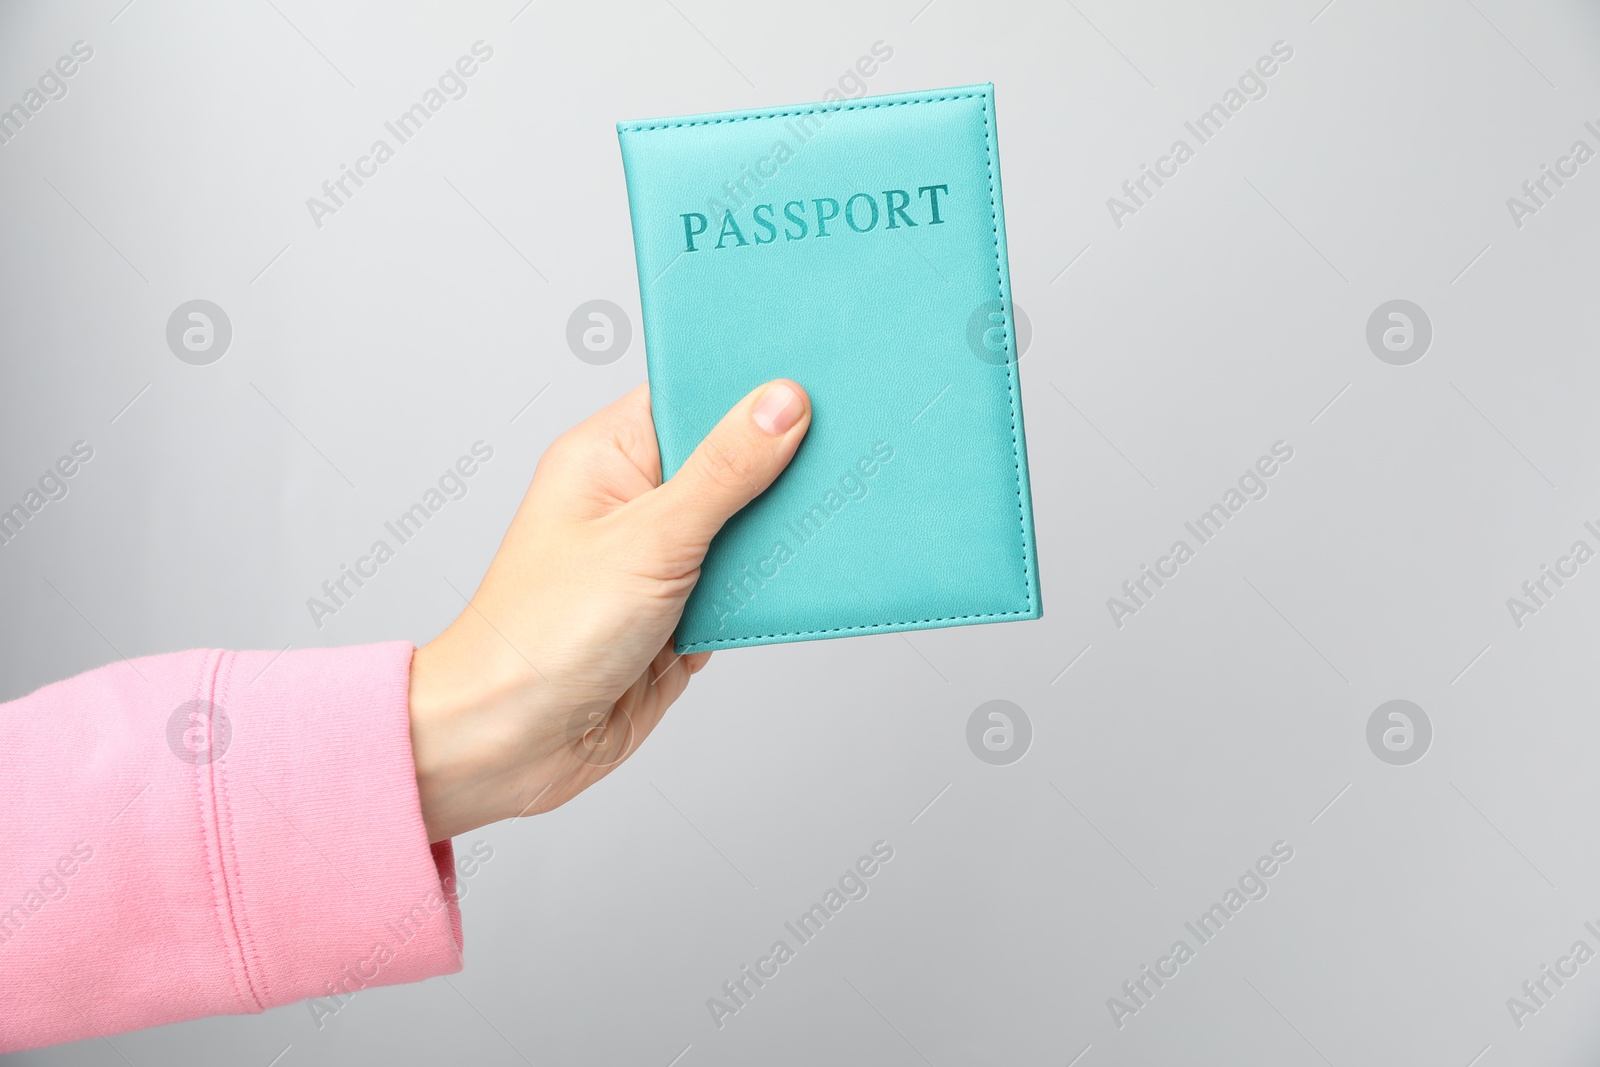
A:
737	461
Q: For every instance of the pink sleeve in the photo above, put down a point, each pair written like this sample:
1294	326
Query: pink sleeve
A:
213	832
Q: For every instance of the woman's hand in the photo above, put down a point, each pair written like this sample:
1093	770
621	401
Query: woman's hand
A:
562	663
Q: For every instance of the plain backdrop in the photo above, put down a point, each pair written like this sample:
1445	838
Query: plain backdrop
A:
1172	348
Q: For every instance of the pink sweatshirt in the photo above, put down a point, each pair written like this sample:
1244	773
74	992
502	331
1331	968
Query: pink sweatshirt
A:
212	832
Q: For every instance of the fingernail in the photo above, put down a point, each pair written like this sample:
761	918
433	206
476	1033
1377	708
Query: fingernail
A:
778	408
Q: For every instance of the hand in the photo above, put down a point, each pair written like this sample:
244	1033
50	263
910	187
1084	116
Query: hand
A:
562	662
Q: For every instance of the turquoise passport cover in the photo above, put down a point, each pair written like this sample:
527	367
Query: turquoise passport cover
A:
859	248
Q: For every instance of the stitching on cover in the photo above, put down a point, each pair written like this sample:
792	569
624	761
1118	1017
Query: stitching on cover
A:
1011	364
811	111
695	645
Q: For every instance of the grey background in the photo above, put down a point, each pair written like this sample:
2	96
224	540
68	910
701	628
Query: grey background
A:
1229	313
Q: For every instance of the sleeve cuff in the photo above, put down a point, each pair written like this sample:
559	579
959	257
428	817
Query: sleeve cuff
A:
320	864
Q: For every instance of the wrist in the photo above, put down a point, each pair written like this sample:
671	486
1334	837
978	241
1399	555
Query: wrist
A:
465	735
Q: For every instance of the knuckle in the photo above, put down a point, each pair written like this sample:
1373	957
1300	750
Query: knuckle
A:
559	451
722	468
568	449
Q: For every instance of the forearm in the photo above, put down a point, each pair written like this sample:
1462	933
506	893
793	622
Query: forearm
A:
221	861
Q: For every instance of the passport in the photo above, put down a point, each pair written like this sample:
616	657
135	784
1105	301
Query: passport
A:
858	247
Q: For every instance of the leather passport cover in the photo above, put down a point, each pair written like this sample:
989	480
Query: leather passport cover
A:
859	248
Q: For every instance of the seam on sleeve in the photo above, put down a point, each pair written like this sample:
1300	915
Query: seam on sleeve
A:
220	848
227	838
210	842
